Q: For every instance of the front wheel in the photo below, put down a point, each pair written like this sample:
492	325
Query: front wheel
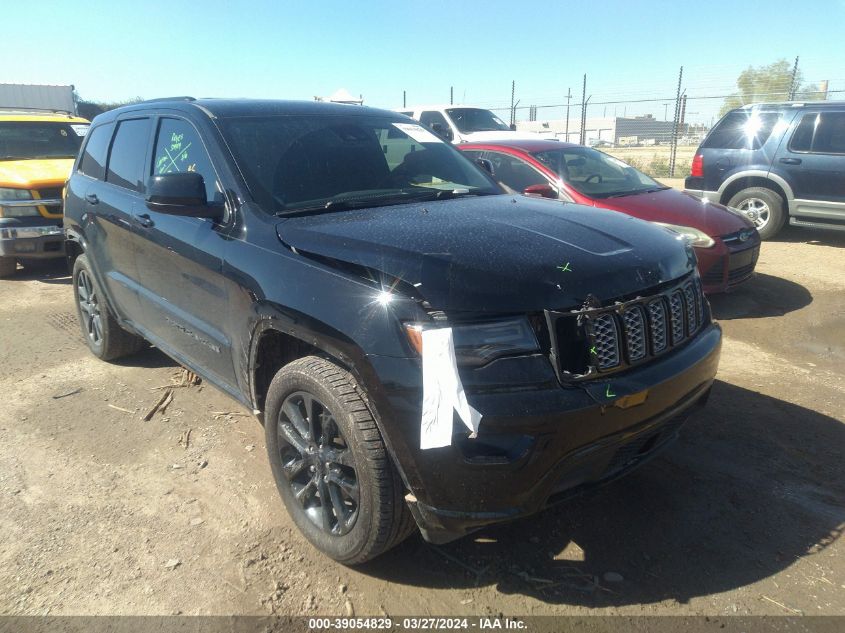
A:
763	207
330	463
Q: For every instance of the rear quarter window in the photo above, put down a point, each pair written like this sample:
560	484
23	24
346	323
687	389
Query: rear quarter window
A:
742	130
93	162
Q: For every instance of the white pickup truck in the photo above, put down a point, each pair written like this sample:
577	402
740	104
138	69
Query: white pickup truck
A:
464	124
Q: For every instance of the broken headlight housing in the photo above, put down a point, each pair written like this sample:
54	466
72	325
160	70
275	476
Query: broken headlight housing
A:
477	344
693	236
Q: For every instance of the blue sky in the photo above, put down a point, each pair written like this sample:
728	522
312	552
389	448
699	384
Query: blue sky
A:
630	50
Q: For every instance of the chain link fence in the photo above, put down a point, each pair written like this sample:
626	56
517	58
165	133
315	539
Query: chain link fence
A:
656	124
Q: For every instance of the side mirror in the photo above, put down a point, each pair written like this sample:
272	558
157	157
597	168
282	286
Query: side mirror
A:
485	164
543	191
442	130
181	194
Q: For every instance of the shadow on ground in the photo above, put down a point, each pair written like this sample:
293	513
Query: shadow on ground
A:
761	296
814	237
148	358
753	484
48	271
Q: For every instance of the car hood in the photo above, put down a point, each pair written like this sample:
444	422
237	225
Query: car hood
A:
498	253
503	135
677	207
31	174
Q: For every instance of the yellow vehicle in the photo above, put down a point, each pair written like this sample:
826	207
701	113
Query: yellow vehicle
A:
37	151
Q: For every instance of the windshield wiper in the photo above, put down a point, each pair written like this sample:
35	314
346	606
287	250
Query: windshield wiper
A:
622	194
367	201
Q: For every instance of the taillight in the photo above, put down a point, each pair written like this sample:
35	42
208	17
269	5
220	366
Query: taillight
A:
697	167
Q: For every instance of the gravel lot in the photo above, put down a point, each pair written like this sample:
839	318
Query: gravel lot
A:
104	513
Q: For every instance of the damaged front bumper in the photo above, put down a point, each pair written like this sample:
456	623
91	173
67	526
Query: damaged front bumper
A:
539	442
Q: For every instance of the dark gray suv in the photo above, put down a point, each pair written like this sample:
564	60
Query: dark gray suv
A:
775	161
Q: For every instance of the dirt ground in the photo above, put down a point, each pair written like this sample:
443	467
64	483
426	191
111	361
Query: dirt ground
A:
104	513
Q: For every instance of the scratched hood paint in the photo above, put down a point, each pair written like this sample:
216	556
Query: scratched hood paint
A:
498	253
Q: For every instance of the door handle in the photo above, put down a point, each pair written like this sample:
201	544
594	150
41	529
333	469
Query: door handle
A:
144	220
92	198
791	161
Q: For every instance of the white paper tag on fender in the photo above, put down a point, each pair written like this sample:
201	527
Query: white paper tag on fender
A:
443	392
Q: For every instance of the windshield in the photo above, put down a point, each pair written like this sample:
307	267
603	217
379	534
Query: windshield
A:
296	163
595	174
469	120
34	139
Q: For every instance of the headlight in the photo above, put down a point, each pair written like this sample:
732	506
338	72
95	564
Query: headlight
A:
9	195
693	236
479	343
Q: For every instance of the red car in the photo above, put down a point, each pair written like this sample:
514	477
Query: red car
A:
725	241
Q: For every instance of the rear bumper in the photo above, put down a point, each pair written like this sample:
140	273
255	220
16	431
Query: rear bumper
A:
25	241
536	445
713	196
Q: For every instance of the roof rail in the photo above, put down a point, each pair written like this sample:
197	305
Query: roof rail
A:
181	98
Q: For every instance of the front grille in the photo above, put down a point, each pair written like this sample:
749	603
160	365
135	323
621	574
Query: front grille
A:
634	332
606	341
50	193
738	274
625	333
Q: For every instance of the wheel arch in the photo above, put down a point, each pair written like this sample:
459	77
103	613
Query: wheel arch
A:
744	180
279	338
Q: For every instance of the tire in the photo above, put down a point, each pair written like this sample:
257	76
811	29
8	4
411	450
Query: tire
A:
336	451
767	207
8	266
101	331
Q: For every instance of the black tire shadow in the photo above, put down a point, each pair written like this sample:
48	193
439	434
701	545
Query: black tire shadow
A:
761	296
753	484
48	271
812	236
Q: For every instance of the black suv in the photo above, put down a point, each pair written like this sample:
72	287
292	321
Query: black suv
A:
776	160
355	281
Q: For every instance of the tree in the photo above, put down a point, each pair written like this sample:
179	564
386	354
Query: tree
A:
770	83
90	109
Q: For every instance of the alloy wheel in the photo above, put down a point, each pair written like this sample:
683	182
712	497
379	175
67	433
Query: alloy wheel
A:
317	463
89	305
757	211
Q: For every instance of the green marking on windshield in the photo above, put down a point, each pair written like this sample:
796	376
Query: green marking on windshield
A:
608	393
565	268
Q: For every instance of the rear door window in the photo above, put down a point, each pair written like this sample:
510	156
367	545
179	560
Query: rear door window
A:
93	162
820	133
128	154
742	130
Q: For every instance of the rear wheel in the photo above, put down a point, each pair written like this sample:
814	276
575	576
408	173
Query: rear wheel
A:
8	266
104	336
330	463
762	206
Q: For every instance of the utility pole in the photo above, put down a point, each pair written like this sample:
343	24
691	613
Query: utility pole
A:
674	141
583	108
404	100
568	97
451	95
792	86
